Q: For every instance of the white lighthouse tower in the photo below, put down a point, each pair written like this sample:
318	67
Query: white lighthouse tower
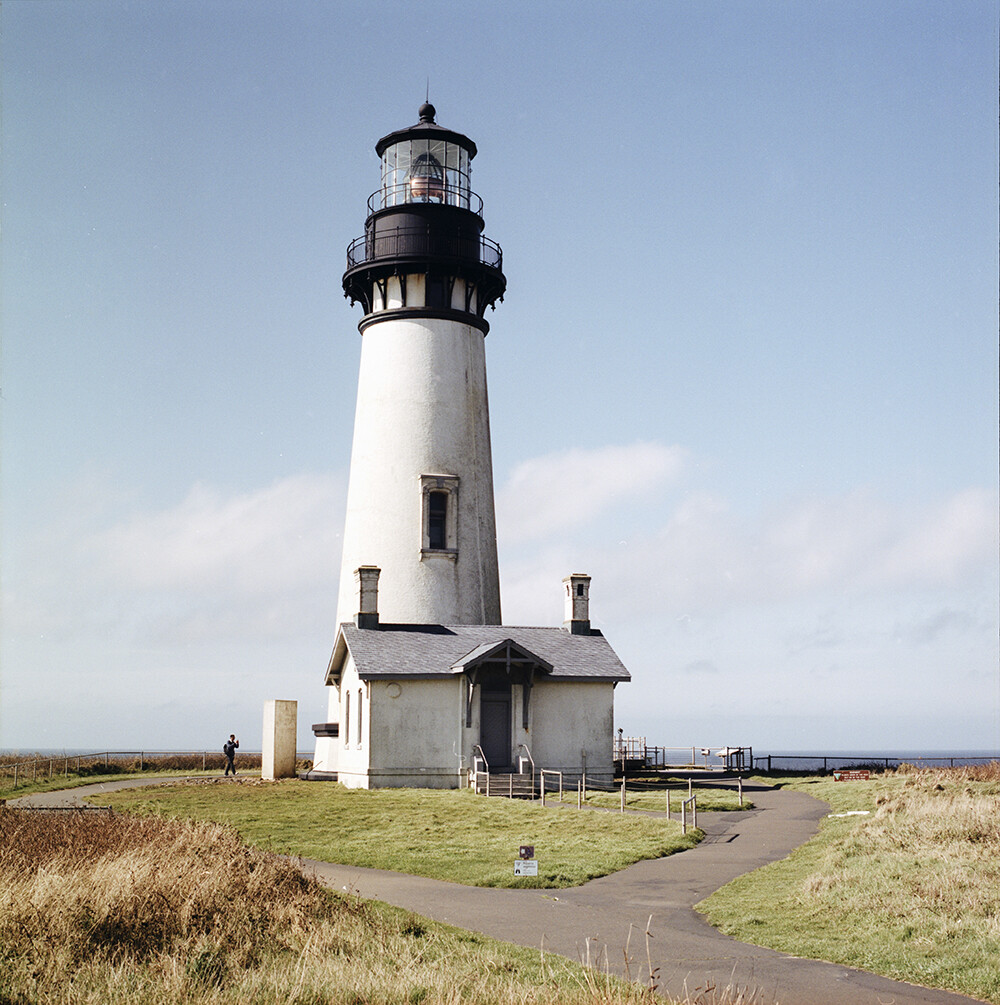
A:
420	497
425	686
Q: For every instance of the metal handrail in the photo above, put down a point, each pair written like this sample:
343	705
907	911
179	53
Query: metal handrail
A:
405	242
549	771
444	194
532	762
693	800
475	770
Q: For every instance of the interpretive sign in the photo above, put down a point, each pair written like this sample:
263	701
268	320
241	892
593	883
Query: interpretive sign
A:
526	867
852	776
526	851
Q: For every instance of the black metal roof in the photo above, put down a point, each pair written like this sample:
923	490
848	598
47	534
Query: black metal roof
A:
428	129
429	651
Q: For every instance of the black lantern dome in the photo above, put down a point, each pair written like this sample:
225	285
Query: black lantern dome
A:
425	220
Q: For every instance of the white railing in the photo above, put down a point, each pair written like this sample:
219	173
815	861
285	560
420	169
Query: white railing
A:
694	813
531	761
477	770
715	758
556	774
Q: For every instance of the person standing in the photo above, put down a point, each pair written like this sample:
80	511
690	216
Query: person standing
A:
229	749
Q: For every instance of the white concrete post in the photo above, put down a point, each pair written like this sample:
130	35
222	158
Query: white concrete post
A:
278	747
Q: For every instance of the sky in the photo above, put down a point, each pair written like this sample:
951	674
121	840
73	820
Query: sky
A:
744	375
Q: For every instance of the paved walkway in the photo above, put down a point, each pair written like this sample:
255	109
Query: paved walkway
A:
597	921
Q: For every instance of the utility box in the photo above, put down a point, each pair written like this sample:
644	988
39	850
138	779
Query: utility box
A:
278	747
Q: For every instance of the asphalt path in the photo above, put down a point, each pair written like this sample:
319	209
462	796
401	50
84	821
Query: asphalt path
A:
605	922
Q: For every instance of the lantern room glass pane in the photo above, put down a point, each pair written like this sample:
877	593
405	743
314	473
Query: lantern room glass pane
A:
425	170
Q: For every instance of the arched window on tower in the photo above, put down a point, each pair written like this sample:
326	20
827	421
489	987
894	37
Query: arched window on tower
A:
437	520
439	515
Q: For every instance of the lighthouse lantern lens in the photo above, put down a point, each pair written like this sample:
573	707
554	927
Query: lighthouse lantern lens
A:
424	170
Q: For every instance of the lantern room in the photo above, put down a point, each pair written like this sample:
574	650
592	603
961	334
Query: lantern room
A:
425	164
423	247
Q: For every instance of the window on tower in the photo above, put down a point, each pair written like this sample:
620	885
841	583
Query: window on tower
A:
437	519
437	292
439	516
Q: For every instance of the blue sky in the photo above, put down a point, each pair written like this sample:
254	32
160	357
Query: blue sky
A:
745	373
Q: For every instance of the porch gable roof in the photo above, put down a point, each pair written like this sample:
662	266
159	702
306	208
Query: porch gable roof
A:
483	653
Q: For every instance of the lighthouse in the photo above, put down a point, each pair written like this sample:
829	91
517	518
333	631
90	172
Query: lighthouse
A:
425	686
420	495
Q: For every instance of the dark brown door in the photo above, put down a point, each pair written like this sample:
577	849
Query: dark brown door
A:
494	725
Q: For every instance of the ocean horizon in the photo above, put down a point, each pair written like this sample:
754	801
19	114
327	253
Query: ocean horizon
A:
803	758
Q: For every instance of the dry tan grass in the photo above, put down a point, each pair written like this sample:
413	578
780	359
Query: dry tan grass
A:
111	909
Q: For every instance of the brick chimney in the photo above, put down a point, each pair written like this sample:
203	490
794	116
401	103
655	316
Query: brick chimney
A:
577	616
366	585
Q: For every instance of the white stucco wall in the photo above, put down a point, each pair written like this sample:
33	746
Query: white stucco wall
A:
422	410
568	719
418	733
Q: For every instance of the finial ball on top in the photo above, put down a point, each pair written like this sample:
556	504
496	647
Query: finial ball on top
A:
427	112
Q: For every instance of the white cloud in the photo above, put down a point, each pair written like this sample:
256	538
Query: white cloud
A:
562	491
701	555
285	536
262	563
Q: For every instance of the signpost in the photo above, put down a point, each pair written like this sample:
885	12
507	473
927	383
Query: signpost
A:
861	775
526	864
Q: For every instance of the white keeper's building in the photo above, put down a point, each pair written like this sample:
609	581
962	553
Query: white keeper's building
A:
425	684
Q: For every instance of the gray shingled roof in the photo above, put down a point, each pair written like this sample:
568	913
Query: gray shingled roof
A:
441	650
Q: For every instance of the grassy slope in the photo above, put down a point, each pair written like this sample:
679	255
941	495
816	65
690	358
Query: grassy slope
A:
910	891
444	835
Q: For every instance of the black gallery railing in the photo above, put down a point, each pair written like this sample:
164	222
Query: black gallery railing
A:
424	242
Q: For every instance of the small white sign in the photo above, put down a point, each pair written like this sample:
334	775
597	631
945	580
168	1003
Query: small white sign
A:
526	867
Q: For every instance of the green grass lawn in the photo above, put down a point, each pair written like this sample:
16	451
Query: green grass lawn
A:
906	885
707	797
447	835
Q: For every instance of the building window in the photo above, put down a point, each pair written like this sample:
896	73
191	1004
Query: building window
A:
437	520
437	292
439	516
359	715
347	718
